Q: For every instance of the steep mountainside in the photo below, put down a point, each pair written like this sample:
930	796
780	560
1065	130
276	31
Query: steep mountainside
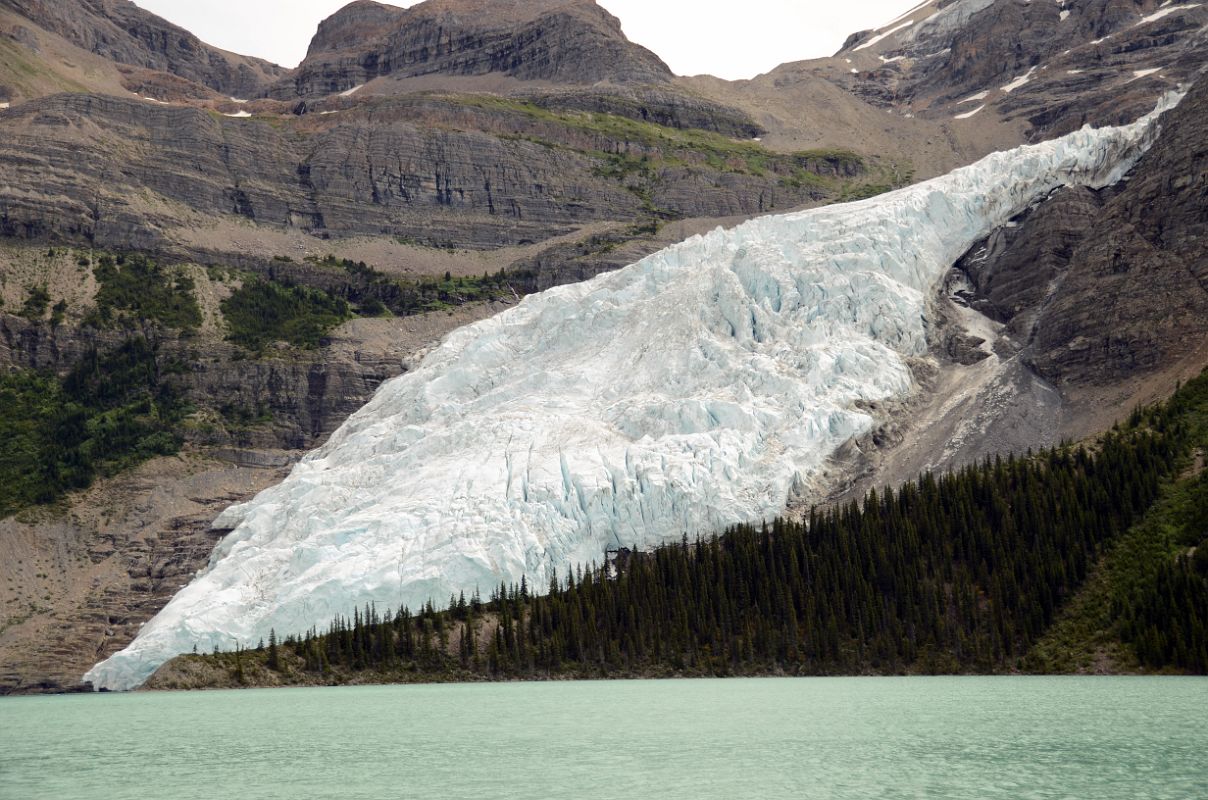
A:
1049	67
444	171
981	75
703	386
121	31
1108	291
559	41
1059	323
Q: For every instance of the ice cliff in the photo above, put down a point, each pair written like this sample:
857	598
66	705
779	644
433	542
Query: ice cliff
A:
702	386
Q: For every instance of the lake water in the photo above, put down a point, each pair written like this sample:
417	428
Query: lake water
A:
968	738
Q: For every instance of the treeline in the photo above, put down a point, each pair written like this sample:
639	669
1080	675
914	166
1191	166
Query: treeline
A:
961	572
375	293
112	411
282	308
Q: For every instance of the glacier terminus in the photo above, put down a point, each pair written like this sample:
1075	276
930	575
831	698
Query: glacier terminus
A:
703	386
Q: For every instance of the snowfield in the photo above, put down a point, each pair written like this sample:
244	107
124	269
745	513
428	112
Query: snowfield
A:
702	386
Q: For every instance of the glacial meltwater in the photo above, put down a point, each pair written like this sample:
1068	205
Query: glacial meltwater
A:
968	738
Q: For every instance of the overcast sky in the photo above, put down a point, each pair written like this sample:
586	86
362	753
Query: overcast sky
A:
728	38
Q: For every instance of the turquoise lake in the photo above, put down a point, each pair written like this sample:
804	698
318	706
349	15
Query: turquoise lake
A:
969	738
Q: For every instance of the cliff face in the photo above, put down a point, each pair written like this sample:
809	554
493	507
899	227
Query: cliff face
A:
120	31
556	41
1135	296
1042	69
450	172
1103	290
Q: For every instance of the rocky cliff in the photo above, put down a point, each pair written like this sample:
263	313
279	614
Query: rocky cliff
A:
121	31
1108	288
1049	67
558	41
454	171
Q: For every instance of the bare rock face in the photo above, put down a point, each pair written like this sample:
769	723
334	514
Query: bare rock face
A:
448	172
121	31
1135	298
1018	268
1051	67
575	43
1105	287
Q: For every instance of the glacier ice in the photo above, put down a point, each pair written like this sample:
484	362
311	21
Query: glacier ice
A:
699	387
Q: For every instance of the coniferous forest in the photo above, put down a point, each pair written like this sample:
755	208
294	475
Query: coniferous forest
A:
962	572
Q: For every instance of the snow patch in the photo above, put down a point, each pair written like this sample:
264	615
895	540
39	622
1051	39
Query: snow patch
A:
237	100
703	386
887	33
1165	11
909	13
352	91
1022	80
968	114
971	98
1143	73
1063	16
1074	71
238	115
3	106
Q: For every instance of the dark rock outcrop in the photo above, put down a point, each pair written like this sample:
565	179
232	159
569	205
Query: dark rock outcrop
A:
1104	287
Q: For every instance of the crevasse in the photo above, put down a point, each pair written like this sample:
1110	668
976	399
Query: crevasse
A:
700	387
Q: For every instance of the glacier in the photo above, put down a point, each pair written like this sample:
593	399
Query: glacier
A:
705	385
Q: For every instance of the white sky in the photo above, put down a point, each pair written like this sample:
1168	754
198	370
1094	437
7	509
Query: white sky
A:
728	38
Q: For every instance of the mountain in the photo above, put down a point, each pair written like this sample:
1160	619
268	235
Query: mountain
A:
704	386
120	31
564	42
954	79
257	250
1048	67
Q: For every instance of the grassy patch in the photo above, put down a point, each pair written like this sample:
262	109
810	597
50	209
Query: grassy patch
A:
671	146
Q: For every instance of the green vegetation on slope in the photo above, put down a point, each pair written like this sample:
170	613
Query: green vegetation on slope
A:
374	292
261	312
36	303
133	289
111	412
963	572
1146	605
635	152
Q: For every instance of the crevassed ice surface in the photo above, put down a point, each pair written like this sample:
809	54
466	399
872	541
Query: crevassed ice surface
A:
697	388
